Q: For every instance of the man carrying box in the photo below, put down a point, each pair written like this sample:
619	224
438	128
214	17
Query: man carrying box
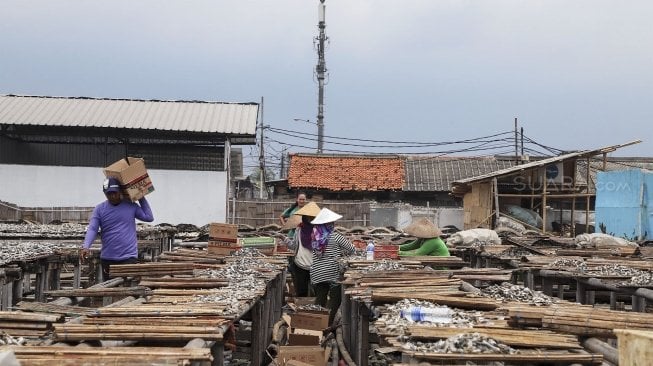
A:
115	220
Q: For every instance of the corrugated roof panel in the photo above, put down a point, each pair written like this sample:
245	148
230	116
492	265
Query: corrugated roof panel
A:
193	116
424	174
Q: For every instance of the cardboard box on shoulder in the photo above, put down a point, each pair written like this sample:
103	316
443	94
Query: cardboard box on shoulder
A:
133	177
224	232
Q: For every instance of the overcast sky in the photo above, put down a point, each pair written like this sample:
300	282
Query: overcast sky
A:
576	74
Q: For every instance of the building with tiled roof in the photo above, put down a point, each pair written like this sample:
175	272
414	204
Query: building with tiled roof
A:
420	180
346	175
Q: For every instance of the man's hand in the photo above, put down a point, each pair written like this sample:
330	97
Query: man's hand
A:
84	254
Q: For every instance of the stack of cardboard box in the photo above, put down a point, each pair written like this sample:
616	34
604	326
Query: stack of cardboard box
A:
304	340
223	239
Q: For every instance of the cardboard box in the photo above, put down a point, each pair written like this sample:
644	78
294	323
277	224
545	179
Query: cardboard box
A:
221	250
310	355
133	177
301	301
223	231
223	243
312	321
635	347
304	337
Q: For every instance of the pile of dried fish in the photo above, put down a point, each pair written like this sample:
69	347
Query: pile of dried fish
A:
67	230
515	252
312	307
11	251
248	252
612	270
461	343
384	265
245	282
392	322
569	264
509	292
643	278
6	339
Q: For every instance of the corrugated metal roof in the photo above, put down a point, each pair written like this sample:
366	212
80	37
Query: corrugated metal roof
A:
543	162
189	116
430	174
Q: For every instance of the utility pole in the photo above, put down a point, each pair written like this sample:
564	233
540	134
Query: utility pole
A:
261	157
282	171
320	71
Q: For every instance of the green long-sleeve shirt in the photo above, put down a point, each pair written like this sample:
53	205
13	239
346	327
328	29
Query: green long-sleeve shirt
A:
419	247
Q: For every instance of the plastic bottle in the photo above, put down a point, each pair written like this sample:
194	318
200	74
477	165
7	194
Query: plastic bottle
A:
441	314
369	251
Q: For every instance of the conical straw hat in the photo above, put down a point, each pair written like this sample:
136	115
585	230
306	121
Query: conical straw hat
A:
309	209
325	216
423	228
291	222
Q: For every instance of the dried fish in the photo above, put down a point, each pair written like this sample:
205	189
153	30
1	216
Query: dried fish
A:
385	265
246	282
566	263
312	307
390	317
7	339
470	342
14	251
509	292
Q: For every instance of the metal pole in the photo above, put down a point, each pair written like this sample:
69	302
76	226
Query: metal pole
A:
320	70
261	157
227	168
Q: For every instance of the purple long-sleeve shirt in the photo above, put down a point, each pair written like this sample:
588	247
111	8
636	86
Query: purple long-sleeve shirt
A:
119	241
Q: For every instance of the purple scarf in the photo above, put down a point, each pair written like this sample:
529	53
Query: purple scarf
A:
305	235
321	235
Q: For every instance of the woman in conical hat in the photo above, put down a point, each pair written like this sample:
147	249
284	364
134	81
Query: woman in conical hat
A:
301	245
428	240
328	246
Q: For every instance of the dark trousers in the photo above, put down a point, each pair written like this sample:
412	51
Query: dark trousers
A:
301	279
106	264
328	294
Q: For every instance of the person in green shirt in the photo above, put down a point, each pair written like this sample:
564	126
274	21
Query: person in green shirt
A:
428	240
300	201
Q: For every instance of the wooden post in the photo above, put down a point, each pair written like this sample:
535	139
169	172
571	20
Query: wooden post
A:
581	294
639	304
587	199
495	188
17	288
547	286
544	192
77	276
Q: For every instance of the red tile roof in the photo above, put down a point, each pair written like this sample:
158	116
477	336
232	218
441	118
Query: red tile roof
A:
346	172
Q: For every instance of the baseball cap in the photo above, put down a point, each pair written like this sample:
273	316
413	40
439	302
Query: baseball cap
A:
111	185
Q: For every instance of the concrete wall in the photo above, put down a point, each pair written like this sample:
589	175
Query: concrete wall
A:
402	215
180	196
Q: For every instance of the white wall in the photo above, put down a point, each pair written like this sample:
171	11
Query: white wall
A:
180	196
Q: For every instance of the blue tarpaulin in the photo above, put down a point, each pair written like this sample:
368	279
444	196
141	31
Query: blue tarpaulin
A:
624	200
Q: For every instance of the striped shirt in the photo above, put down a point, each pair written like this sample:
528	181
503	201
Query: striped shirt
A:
325	266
